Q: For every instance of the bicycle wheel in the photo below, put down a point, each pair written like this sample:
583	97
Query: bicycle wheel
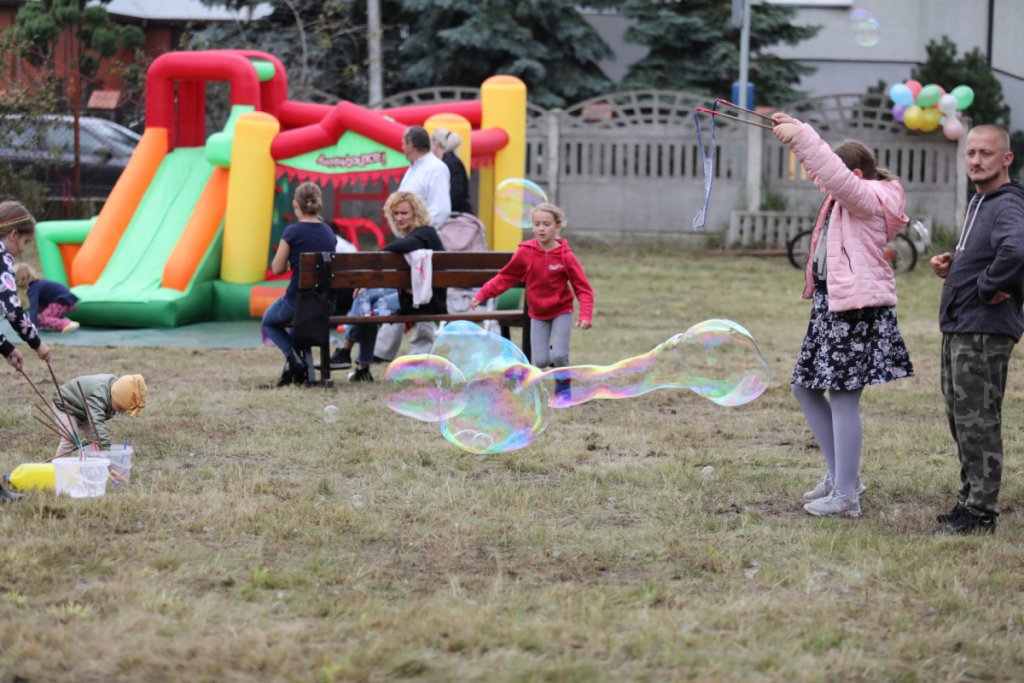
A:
901	254
799	248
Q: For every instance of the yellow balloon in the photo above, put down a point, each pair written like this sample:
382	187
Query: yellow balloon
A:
913	117
932	117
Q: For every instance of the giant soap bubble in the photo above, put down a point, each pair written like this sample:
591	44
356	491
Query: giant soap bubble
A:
487	398
516	198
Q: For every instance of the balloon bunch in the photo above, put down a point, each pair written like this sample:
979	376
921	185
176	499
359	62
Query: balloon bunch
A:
926	107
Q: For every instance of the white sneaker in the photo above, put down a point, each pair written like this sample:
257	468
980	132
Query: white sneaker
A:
824	488
71	326
836	503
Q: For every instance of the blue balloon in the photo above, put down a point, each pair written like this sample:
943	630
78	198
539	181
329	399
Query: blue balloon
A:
901	94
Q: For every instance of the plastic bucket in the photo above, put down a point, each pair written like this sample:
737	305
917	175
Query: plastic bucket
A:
120	463
81	478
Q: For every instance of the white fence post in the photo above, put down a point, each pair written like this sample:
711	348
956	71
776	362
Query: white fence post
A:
551	162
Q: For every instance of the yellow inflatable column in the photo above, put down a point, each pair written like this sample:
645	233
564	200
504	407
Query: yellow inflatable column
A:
250	200
503	103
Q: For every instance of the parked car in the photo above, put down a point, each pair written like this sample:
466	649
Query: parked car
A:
43	147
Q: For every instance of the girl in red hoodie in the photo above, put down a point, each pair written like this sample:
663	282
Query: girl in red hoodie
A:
547	267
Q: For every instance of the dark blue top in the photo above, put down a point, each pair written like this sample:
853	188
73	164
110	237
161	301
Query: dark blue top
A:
42	293
303	238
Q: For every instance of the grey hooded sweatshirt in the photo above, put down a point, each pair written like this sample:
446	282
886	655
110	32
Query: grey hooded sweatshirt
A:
989	258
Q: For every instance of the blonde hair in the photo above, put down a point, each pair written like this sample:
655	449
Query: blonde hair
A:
24	275
420	215
552	209
447	140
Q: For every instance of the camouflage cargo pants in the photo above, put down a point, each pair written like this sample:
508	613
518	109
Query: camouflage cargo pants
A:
974	368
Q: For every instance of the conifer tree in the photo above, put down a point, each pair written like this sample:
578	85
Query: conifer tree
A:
694	46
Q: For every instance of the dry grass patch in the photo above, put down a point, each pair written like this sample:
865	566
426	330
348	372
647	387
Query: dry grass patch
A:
257	542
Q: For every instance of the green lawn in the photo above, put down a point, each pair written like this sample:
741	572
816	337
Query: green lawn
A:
256	542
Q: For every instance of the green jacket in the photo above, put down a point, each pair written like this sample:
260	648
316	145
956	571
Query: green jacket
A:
98	403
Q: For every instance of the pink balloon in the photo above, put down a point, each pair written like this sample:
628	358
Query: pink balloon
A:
952	128
914	86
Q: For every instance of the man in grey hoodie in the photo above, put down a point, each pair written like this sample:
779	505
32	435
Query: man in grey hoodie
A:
981	320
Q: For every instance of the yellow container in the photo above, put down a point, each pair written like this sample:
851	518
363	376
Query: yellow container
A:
33	475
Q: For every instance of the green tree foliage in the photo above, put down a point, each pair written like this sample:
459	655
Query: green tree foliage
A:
694	46
947	70
39	25
322	43
549	45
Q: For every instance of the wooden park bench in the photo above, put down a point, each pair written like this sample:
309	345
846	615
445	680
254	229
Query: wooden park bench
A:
323	273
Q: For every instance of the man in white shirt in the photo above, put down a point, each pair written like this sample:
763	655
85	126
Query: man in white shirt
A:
428	177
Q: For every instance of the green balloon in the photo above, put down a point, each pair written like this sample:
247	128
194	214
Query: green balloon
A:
964	96
929	96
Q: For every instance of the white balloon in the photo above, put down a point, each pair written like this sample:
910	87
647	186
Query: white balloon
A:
947	104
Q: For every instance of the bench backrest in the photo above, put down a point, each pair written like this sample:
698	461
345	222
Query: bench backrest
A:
385	269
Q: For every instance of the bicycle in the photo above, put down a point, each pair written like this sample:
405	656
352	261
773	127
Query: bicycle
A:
901	252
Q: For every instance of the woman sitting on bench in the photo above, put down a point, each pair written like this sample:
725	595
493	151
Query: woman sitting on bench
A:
409	220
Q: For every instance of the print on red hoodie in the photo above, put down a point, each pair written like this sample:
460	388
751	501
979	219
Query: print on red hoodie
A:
547	275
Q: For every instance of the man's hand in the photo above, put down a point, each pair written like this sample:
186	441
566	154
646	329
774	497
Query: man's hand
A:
998	298
940	264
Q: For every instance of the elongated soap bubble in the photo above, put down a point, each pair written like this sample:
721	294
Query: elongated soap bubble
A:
489	399
716	359
516	198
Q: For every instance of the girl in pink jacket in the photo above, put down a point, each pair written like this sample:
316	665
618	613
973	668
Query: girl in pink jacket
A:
853	338
548	268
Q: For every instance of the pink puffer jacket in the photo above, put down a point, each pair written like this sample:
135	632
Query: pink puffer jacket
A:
868	213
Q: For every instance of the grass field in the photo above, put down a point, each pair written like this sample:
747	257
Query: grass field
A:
256	542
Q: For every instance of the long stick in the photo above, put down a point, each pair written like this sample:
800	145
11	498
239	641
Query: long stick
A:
41	397
55	424
88	413
720	115
63	403
749	111
47	425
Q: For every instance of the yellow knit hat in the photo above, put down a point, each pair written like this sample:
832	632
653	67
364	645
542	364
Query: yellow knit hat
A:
129	392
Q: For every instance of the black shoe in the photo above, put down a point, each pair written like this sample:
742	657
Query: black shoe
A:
972	524
341	359
9	496
300	371
378	359
286	376
952	515
360	375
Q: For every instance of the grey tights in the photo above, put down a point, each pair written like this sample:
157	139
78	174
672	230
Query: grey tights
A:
835	423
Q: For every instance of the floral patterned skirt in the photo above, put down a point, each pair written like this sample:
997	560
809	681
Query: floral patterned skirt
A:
849	350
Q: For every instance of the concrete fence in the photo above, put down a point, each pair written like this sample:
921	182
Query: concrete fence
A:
630	162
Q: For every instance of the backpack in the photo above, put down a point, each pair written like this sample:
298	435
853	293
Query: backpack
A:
465	232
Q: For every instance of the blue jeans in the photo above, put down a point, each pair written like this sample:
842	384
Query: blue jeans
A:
277	321
372	301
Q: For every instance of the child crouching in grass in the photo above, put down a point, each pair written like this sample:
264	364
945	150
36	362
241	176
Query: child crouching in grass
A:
84	405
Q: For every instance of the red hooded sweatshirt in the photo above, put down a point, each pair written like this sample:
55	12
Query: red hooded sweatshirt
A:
547	275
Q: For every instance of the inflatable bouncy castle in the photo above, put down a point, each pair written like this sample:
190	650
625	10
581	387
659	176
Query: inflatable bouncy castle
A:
188	231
